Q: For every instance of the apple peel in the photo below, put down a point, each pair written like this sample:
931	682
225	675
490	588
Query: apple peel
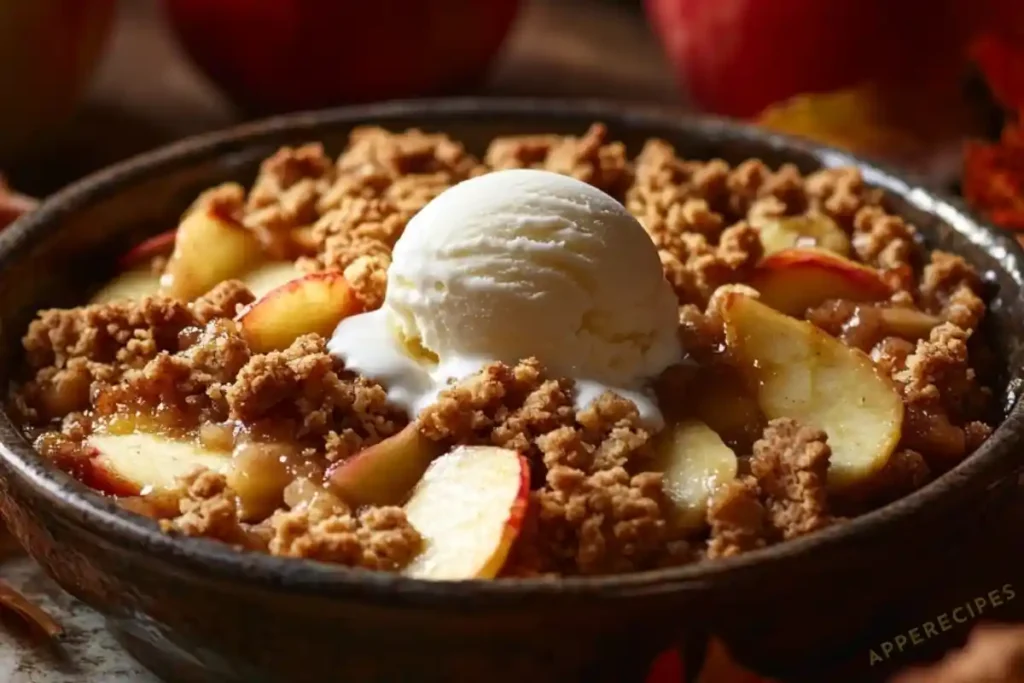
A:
793	280
385	473
313	304
469	506
137	463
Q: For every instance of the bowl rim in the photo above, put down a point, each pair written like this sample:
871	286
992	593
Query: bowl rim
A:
994	461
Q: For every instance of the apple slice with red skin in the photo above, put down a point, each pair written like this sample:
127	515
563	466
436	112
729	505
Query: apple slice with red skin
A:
695	463
209	249
314	303
139	462
803	373
793	280
469	507
385	473
779	233
145	251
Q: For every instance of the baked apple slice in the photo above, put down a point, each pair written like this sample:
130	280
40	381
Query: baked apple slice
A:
803	373
132	284
385	473
779	233
793	280
314	303
469	507
209	249
269	276
141	463
908	323
695	462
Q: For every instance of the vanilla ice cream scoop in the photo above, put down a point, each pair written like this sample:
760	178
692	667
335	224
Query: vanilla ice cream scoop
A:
517	264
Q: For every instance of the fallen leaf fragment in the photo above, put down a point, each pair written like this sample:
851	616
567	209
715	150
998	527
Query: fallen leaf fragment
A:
905	126
993	178
719	667
667	668
34	615
1001	62
12	204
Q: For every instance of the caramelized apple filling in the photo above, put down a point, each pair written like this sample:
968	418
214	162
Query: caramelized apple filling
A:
830	367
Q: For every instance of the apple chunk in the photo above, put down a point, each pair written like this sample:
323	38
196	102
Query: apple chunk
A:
209	249
779	233
131	284
908	323
793	280
136	463
385	473
314	303
695	462
803	373
269	276
469	507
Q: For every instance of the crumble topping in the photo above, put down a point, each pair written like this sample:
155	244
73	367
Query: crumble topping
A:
596	503
592	158
377	538
783	497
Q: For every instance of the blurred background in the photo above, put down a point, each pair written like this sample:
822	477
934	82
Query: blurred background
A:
88	82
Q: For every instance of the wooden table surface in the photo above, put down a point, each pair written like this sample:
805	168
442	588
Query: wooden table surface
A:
147	93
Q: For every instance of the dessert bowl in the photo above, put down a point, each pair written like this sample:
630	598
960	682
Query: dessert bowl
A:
196	610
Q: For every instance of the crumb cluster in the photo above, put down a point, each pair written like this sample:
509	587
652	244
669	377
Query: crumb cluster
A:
597	502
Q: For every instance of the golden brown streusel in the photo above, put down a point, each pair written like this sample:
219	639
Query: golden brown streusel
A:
951	288
840	193
209	508
737	518
225	300
790	464
377	538
301	386
500	405
595	507
591	158
944	403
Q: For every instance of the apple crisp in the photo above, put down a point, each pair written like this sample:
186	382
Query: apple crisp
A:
832	364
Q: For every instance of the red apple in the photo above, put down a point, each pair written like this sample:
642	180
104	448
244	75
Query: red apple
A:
48	51
735	57
300	54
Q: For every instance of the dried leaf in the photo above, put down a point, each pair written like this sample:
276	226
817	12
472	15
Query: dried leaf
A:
17	603
1002	64
904	126
993	179
719	667
667	668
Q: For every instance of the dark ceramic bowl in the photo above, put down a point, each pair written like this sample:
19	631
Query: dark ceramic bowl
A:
195	610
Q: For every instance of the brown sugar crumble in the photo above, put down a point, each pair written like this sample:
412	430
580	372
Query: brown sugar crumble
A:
598	501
